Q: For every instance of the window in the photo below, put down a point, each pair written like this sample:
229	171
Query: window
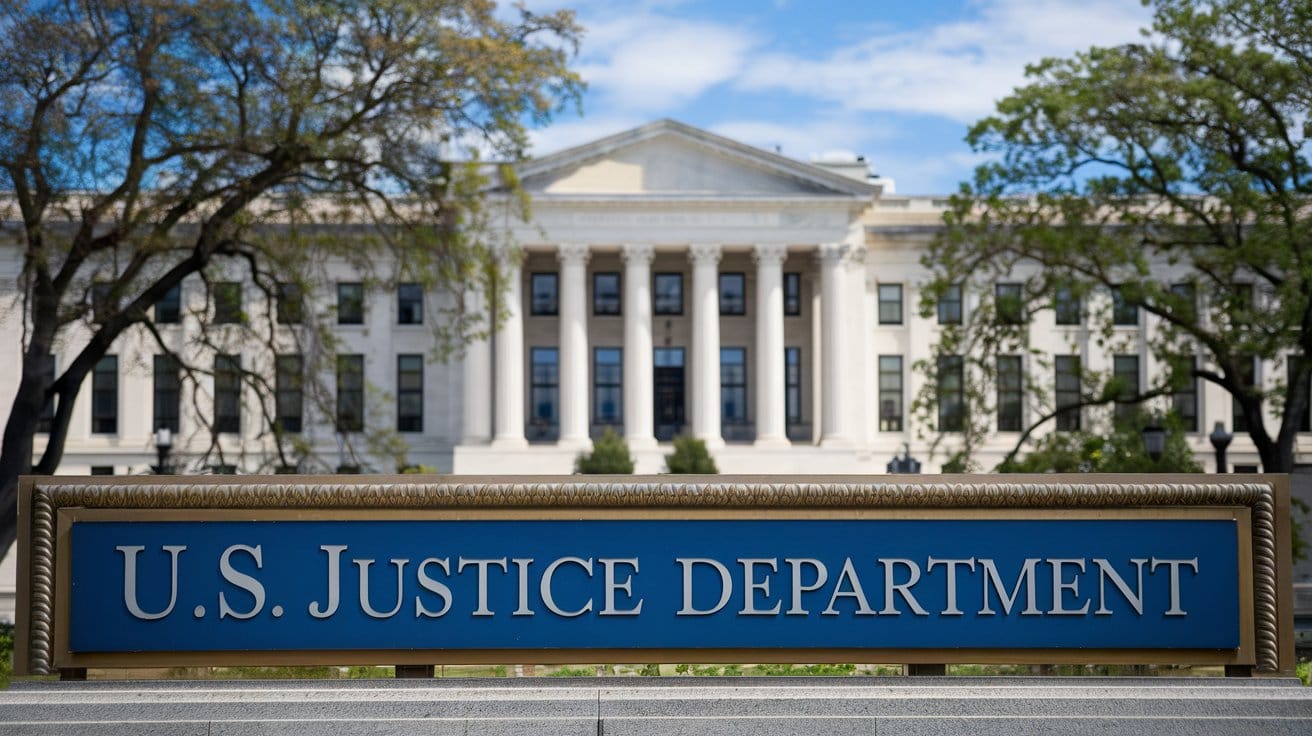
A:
543	290
1011	387
733	293
1125	371
793	385
605	293
1010	303
102	306
1292	364
1187	297
227	302
733	386
104	396
1067	307
227	393
1247	378
668	294
792	294
168	310
949	306
890	304
167	380
951	393
102	469
350	303
1067	368
544	395
291	303
1184	402
409	393
607	386
350	393
289	395
1124	313
46	418
890	393
409	304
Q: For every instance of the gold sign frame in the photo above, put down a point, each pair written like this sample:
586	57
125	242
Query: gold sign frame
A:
1259	503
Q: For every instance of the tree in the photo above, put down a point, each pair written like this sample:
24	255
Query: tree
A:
609	456
151	141
1169	176
1121	451
691	457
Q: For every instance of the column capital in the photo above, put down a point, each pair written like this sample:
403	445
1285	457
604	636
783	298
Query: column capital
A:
573	254
831	252
856	255
638	252
770	253
704	253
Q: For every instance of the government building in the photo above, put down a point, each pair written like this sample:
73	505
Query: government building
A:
669	281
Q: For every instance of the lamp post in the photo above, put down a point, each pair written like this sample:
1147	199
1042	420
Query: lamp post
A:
905	463
1220	440
1154	440
163	446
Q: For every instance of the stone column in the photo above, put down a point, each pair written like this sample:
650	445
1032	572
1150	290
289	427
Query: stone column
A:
639	422
833	352
573	296
771	428
478	366
705	375
509	343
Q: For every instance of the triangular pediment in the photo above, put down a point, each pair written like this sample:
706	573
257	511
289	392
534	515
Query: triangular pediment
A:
669	159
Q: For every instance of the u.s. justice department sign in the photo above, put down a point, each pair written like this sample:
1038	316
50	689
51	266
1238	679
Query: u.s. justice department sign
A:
303	570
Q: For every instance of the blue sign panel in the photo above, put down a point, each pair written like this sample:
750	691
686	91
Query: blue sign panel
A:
529	584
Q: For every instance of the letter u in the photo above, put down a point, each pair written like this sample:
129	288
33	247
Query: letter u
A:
130	580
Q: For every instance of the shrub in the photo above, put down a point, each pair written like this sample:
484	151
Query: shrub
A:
690	456
609	456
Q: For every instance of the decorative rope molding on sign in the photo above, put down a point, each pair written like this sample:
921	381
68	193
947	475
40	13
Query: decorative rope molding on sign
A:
49	497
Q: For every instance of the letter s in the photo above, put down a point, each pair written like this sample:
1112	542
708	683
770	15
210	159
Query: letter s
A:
241	580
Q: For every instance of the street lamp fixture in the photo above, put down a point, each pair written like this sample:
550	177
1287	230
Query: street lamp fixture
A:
1220	440
1154	441
163	446
905	463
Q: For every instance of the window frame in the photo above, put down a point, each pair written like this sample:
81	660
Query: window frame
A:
951	300
1010	393
544	307
1121	412
1007	316
736	387
604	307
350	370
540	429
616	386
354	315
954	367
1121	309
172	301
409	421
229	372
792	294
166	412
290	303
289	389
792	385
1067	311
105	395
1189	421
729	305
410	308
889	303
888	392
1237	417
1069	414
657	309
227	299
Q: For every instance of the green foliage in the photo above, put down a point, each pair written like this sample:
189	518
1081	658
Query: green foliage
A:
806	670
1304	672
6	655
1121	451
573	672
650	670
690	456
610	456
419	470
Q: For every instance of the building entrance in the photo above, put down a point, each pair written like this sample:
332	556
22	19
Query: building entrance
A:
668	404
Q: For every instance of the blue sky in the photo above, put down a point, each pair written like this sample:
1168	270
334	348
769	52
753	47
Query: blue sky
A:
897	81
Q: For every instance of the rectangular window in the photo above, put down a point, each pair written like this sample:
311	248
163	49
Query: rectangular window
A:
890	304
793	385
227	303
1011	388
1124	313
543	294
289	394
1247	377
101	306
606	293
792	294
46	419
733	386
951	393
1010	303
168	310
350	303
890	393
607	386
409	393
1067	394
291	303
104	396
1305	417
949	307
733	293
1184	402
409	304
544	395
1186	301
1125	371
1066	306
167	378
227	393
350	393
102	469
668	295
